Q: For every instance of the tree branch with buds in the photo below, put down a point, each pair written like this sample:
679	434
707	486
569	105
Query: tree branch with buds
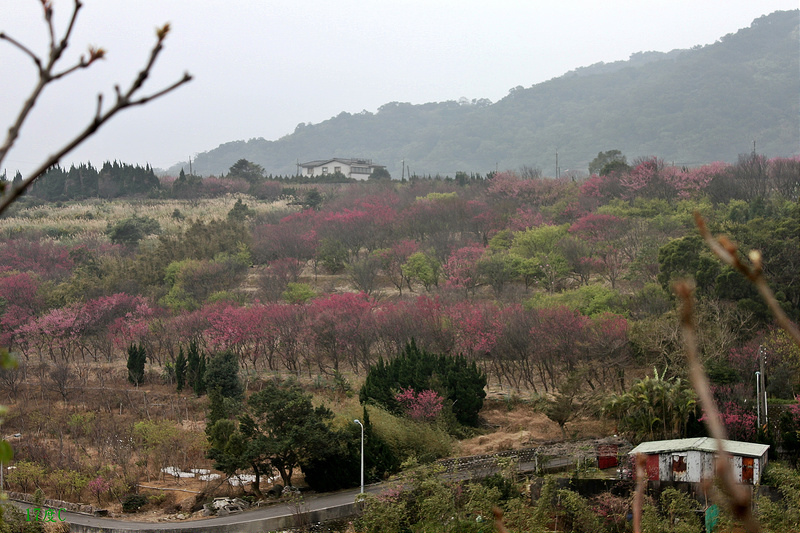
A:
727	251
48	74
738	496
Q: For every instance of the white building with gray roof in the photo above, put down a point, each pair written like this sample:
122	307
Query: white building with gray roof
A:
355	168
693	459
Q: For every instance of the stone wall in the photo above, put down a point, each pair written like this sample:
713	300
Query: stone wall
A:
53	504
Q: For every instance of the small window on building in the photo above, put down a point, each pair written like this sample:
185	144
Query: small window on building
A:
324	170
679	467
337	169
310	171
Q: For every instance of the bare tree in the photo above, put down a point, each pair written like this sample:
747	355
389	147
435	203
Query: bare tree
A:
11	379
530	173
750	172
62	377
50	70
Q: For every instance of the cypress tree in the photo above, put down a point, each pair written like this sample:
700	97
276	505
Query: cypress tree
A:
193	363
180	370
136	360
200	379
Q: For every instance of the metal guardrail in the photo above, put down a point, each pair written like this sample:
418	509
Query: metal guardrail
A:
542	457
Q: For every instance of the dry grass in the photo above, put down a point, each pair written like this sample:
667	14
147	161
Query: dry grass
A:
73	219
523	427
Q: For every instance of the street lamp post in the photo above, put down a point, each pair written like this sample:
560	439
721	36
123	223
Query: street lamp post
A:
357	421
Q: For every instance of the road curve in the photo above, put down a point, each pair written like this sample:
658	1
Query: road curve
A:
280	515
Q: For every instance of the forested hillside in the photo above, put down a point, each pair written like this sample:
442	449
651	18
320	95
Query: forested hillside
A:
688	106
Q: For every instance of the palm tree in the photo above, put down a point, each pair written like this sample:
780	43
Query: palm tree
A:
653	408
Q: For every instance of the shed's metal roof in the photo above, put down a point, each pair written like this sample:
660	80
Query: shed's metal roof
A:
703	444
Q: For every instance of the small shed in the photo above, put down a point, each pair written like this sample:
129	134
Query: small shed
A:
693	459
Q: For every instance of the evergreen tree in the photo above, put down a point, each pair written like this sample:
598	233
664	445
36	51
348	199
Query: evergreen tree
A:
240	211
17	180
136	360
453	377
222	375
192	363
180	370
379	459
217	408
200	378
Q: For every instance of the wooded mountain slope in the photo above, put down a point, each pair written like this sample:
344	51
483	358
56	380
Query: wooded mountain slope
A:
686	106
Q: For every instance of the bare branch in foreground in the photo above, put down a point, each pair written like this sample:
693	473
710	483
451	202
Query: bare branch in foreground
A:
47	76
498	520
638	495
45	69
738	496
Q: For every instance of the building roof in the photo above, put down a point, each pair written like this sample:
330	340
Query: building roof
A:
344	161
702	444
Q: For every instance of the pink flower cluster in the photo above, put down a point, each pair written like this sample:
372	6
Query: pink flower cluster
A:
425	405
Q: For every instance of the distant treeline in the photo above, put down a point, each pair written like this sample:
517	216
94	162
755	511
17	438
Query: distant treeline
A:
120	180
114	180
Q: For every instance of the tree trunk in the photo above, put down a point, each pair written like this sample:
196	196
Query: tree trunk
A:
256	485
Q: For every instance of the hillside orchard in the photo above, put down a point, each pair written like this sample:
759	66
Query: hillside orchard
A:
129	301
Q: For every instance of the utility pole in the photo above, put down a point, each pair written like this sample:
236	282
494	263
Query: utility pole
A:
190	166
404	170
762	358
758	398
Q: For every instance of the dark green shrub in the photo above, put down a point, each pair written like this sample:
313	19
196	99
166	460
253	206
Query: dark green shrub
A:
460	382
133	502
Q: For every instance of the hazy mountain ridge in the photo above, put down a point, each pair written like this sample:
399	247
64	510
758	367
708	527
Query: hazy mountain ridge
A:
687	106
636	60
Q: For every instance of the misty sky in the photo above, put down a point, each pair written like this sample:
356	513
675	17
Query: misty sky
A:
262	67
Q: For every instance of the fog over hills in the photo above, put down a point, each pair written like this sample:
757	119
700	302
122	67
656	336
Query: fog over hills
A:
689	107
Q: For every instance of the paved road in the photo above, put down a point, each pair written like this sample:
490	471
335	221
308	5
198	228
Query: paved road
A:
313	503
256	519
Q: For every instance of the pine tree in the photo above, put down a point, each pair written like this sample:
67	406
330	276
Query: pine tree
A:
180	370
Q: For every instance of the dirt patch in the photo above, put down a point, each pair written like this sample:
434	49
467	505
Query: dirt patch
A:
523	426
